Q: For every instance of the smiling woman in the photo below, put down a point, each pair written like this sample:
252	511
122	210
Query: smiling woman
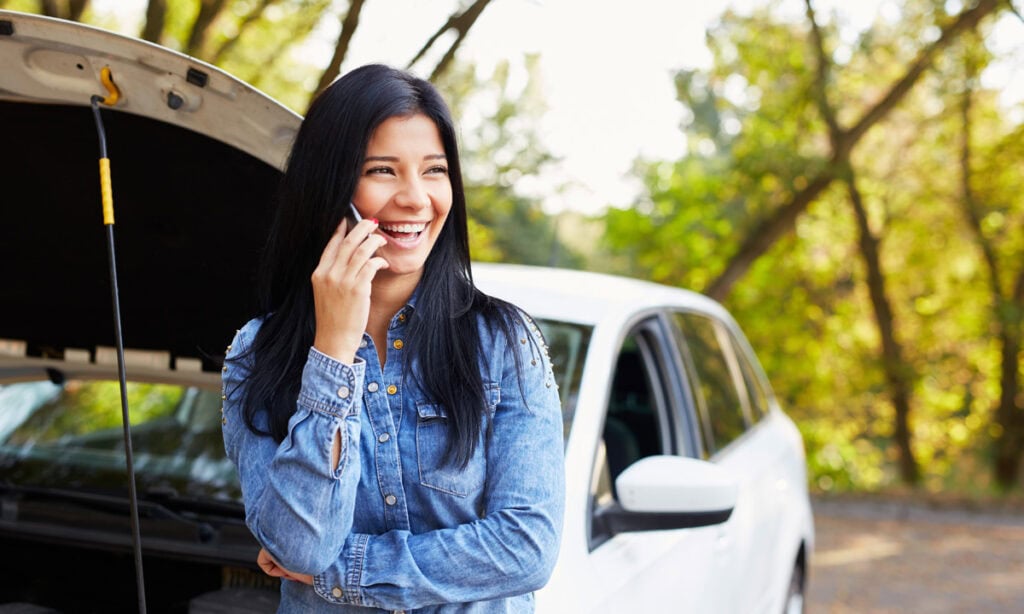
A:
405	185
397	432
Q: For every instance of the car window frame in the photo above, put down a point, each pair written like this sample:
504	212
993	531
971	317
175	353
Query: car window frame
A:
725	336
657	347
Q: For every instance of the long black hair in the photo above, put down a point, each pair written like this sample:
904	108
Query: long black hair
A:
321	176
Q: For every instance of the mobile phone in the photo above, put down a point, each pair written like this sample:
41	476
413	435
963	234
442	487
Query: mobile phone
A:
353	217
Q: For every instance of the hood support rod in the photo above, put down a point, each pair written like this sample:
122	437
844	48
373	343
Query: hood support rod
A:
107	194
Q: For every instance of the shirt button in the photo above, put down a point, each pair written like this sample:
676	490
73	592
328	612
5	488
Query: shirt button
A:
372	387
336	591
384	437
391	499
392	389
343	392
398	344
401	317
362	344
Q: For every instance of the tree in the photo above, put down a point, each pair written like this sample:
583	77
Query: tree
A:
875	294
348	28
994	213
896	370
499	150
782	220
460	23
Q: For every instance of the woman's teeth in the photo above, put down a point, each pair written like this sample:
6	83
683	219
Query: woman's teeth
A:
403	228
403	232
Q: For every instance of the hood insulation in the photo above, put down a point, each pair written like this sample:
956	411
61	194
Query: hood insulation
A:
191	216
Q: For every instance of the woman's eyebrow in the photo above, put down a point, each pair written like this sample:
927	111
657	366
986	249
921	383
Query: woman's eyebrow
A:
440	156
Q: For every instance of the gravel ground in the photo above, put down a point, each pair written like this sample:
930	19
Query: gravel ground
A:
873	556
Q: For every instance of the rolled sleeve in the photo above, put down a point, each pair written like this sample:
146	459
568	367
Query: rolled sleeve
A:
297	505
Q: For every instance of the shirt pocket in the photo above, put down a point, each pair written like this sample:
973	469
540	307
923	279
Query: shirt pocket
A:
432	441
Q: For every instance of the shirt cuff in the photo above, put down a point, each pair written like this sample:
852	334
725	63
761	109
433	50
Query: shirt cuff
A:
341	584
331	386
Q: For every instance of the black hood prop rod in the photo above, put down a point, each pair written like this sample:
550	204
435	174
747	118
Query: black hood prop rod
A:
107	194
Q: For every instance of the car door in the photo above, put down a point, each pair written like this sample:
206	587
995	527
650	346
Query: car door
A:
647	570
735	436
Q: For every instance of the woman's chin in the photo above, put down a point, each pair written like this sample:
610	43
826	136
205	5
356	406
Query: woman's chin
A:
400	267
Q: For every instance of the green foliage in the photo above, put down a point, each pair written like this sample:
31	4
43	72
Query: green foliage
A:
755	137
263	54
24	6
500	150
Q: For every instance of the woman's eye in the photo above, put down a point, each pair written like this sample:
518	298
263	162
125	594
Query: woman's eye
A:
438	169
379	170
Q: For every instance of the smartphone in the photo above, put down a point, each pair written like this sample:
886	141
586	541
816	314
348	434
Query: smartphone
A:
352	216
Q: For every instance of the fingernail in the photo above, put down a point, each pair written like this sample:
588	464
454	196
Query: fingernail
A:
374	220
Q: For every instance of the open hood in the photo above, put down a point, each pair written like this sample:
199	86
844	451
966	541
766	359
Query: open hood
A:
196	156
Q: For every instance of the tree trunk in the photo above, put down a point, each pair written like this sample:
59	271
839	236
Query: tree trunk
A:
209	10
76	8
51	8
897	372
1008	312
156	14
461	23
1009	448
348	28
765	234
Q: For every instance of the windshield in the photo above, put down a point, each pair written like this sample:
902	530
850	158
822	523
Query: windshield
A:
66	433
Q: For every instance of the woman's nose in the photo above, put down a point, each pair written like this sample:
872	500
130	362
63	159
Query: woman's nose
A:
413	195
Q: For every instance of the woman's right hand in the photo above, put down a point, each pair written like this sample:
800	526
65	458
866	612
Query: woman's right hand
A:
341	288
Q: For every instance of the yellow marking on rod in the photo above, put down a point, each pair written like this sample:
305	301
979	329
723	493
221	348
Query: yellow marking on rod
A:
108	82
107	192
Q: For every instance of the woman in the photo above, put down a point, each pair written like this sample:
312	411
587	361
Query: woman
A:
397	433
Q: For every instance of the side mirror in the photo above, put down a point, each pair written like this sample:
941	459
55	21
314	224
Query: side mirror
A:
671	492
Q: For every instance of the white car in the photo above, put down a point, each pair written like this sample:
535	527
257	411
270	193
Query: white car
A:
686	483
686	486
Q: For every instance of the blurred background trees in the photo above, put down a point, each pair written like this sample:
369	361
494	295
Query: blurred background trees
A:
831	197
855	197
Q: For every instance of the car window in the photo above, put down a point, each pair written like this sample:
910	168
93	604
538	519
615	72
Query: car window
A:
67	433
752	384
635	423
567	347
719	401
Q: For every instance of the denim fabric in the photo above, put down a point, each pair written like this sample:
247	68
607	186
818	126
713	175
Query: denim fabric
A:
393	528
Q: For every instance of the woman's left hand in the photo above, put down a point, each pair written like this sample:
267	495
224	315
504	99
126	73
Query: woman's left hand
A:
271	568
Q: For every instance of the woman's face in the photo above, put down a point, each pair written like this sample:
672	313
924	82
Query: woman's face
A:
404	184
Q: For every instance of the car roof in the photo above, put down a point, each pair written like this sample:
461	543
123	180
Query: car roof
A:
583	297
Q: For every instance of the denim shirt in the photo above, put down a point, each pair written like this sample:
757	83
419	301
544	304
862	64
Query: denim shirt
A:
392	527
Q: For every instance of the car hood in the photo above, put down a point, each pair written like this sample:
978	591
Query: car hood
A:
196	156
